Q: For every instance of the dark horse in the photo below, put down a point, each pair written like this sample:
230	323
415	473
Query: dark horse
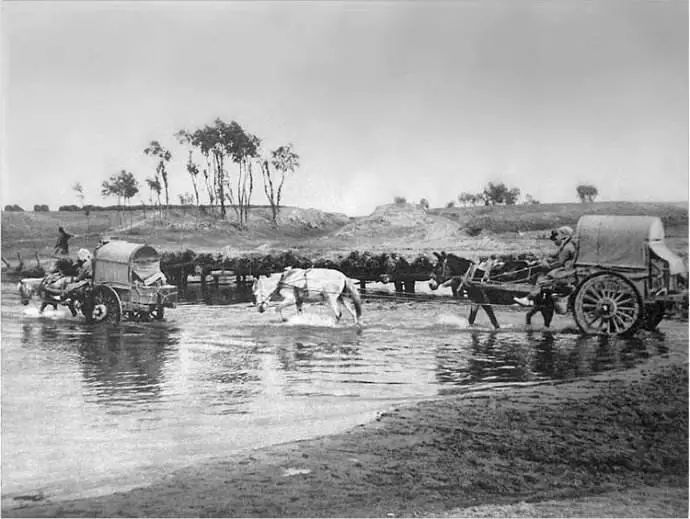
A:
464	276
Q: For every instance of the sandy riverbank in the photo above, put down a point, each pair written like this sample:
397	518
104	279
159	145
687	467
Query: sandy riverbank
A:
613	438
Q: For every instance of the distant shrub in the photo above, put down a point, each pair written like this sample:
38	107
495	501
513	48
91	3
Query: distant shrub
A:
14	208
40	207
450	204
473	230
424	204
587	192
71	207
400	200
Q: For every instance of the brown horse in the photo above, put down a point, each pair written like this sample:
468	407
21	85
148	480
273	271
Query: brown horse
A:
481	284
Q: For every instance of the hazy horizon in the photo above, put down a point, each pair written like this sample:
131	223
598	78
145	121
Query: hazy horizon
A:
417	100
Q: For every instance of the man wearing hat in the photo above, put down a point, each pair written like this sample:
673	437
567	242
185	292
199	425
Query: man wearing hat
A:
561	264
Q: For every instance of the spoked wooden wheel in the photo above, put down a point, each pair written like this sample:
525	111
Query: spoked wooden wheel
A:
106	305
607	303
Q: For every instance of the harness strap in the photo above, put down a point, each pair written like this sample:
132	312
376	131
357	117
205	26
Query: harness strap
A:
306	287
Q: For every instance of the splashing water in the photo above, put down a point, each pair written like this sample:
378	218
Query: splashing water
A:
451	320
311	319
48	313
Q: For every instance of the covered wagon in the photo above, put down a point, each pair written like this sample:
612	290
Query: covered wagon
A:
627	277
128	283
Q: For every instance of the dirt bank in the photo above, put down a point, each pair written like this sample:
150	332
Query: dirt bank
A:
617	435
402	228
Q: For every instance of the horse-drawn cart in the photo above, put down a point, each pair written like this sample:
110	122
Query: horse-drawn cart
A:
128	283
625	278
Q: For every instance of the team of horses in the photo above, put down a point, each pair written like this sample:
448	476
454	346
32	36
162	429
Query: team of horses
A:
493	282
483	284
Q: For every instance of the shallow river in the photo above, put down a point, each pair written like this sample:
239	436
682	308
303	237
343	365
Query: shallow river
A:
88	409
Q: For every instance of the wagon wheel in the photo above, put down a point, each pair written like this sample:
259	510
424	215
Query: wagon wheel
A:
158	312
653	314
607	303
106	305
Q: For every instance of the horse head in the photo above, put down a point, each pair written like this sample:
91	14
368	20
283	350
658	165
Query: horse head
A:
447	267
26	288
262	290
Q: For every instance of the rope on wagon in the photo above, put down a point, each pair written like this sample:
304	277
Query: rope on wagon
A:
512	272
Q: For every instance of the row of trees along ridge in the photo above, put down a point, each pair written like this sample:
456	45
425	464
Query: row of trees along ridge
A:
211	149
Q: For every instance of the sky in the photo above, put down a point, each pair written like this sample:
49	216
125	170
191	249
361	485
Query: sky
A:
380	99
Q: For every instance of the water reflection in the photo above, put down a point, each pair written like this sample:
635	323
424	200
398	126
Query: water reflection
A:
211	294
123	363
213	379
126	362
533	356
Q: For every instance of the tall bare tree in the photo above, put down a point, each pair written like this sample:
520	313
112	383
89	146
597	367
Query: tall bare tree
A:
163	156
283	160
218	144
185	138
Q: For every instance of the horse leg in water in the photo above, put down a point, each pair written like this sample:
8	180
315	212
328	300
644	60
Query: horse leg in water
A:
474	310
478	295
289	299
492	316
45	304
344	302
299	300
334	303
543	304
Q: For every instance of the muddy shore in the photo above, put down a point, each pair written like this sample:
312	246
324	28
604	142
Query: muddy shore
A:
614	435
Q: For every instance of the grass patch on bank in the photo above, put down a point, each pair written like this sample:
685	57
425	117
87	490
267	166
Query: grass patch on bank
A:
537	217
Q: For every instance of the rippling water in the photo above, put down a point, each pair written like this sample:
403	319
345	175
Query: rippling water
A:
92	408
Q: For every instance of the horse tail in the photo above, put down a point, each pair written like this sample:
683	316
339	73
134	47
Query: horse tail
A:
352	291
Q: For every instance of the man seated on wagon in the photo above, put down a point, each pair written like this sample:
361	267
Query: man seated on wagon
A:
84	271
561	263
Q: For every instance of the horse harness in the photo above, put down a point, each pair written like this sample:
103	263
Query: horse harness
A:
282	284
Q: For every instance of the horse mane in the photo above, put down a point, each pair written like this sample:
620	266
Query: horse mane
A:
457	264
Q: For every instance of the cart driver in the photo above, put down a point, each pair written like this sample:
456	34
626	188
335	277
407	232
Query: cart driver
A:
561	263
84	272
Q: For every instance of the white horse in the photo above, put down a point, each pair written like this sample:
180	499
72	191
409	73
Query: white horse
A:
27	287
48	289
296	285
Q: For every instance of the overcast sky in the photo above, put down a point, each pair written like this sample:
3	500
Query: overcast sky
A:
380	99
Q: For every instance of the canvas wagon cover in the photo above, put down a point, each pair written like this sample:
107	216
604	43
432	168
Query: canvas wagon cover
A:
622	241
117	260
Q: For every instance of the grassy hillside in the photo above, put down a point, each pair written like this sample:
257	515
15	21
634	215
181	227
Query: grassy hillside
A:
29	232
546	216
395	227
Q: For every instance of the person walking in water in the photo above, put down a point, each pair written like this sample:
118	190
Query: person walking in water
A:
62	243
